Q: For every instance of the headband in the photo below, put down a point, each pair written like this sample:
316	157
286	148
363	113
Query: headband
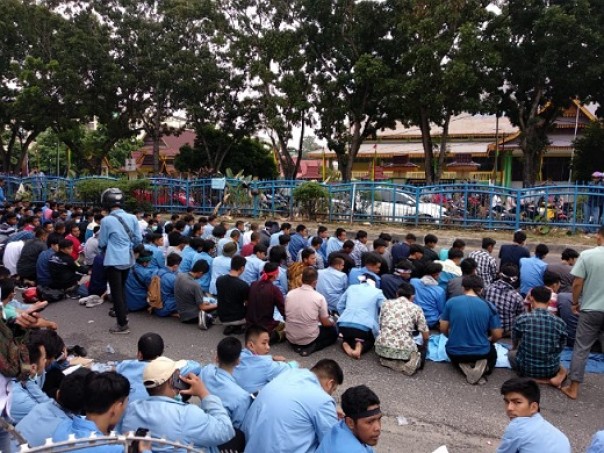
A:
267	275
366	414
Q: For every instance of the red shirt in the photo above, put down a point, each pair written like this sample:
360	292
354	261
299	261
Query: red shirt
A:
77	245
247	250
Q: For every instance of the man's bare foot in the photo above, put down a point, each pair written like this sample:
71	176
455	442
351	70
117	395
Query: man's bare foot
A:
559	378
348	350
570	391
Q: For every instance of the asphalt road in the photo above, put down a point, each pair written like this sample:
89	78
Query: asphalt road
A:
438	406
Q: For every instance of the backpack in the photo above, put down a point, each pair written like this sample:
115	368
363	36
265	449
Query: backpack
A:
154	293
49	294
14	355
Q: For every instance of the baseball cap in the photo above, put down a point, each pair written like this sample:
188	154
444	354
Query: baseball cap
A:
158	371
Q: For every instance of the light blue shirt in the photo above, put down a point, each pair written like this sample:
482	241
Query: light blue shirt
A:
533	435
431	299
187	259
167	280
136	293
207	231
41	422
222	384
205	426
221	243
356	272
158	260
205	279
341	440
253	269
281	281
332	284
597	443
133	371
255	371
291	414
23	397
333	245
220	266
275	238
83	428
531	273
114	239
360	305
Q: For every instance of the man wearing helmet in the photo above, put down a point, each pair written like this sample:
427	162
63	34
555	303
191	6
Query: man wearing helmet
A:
118	235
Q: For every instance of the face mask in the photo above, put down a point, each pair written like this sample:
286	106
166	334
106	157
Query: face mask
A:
178	398
154	227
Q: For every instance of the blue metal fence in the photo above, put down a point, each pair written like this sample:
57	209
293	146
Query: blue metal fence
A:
463	205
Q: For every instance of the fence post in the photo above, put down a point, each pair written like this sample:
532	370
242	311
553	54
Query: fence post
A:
518	204
417	195
466	204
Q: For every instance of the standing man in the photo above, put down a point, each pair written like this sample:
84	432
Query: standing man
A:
487	265
118	235
588	303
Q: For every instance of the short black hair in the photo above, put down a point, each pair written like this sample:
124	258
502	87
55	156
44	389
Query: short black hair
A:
7	286
72	390
309	275
433	268
276	255
339	232
541	250
361	234
454	253
201	266
229	350
151	346
307	253
173	259
260	248
328	368
415	248
430	239
284	239
300	228
316	240
541	294
219	231
348	244
472	282
356	400
379	242
509	270
458	244
468	266
410	237
550	278
237	262
51	340
386	237
519	237
525	386
487	242
405	289
285	226
104	389
372	258
253	332
569	254
65	243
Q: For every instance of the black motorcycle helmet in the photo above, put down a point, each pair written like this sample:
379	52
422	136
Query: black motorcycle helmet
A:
112	197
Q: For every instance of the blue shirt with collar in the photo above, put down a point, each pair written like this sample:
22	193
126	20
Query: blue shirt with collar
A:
221	265
41	422
333	245
81	427
360	306
341	440
207	231
23	397
332	284
253	269
297	243
205	426
114	239
533	435
167	280
597	443
43	277
205	279
255	371
136	292
431	299
531	273
275	238
293	413
158	260
222	384
356	272
187	259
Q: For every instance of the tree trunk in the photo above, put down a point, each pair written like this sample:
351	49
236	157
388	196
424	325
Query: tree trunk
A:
442	156
345	166
533	143
156	137
424	126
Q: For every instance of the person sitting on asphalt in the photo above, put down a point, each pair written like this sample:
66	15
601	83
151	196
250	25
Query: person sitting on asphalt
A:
222	265
597	443
391	282
284	228
508	302
219	380
532	269
360	247
468	266
308	327
380	249
551	280
513	253
458	244
400	250
298	241
233	294
345	254
372	266
155	244
359	309
42	421
538	340
294	272
278	256
429	295
255	264
322	234
43	277
430	241
568	259
399	319
256	366
263	300
451	268
105	400
362	424
206	425
138	280
528	431
64	271
248	248
472	326
332	282
487	265
336	242
190	302
416	257
295	411
315	244
167	276
26	266
189	252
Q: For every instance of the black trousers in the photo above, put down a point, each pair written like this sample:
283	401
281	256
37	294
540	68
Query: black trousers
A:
351	335
117	284
327	337
491	357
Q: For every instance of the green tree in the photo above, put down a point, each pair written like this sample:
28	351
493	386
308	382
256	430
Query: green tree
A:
249	155
444	63
589	153
545	49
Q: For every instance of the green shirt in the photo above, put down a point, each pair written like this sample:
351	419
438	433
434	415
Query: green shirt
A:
590	267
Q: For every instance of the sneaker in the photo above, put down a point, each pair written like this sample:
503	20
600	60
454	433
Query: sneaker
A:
112	313
94	301
84	300
120	330
473	374
203	320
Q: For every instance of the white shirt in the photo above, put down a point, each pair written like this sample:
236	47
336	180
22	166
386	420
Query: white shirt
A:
12	253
